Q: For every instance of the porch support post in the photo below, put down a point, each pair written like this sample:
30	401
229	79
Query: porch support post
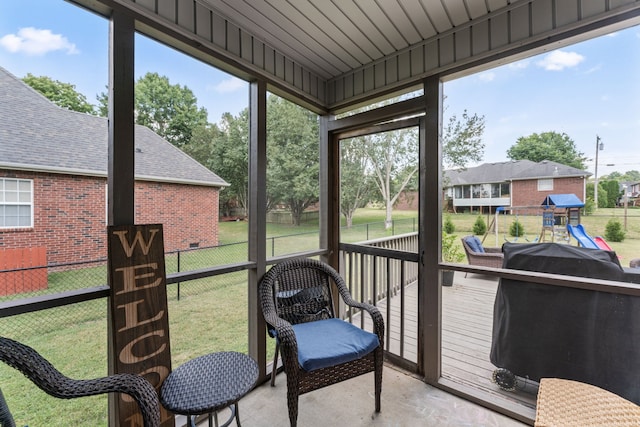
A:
121	149
430	235
329	192
330	199
257	218
121	175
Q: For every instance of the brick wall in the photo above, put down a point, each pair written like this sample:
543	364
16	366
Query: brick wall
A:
525	193
70	215
188	213
407	201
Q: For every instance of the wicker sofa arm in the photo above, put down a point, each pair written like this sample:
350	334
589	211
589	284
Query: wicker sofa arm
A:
284	331
493	250
374	312
376	316
43	374
486	255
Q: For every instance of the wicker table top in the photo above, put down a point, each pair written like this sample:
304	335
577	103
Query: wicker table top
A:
209	383
569	403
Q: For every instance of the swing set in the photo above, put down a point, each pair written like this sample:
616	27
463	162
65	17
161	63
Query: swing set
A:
516	210
558	210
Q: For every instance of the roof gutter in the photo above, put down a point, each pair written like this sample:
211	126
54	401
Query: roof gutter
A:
100	174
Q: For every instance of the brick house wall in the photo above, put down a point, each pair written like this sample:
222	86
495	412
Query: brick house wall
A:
525	193
70	215
407	201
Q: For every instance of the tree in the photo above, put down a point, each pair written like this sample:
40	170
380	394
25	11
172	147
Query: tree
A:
292	153
355	183
553	146
393	159
169	110
62	94
224	150
231	159
393	162
630	176
613	193
462	140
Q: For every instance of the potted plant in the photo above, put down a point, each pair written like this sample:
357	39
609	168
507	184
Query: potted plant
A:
451	252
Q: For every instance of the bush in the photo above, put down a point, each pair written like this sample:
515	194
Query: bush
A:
516	229
449	228
479	227
613	231
589	206
451	252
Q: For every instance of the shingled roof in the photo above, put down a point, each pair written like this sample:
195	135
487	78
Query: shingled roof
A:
488	173
37	135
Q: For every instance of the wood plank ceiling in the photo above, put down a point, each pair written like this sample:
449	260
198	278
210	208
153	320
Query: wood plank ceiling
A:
333	37
332	55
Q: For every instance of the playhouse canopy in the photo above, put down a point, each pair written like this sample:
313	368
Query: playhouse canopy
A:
562	201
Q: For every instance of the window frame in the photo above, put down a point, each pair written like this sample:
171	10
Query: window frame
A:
4	203
545	184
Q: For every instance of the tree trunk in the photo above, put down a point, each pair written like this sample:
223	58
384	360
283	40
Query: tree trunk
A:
388	222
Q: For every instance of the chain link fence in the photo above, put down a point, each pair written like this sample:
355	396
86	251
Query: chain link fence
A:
205	315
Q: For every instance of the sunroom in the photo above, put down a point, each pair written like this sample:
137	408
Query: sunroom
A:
363	68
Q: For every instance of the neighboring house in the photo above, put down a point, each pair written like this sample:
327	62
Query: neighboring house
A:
53	181
519	183
632	190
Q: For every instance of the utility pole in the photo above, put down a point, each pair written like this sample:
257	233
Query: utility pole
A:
599	147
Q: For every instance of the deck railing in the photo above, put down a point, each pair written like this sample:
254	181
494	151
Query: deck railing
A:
378	272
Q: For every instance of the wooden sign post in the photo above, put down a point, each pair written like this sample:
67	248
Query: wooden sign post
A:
138	312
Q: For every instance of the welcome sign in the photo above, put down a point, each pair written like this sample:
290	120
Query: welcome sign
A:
139	316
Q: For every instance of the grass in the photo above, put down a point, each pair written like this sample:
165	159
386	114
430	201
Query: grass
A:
211	314
595	225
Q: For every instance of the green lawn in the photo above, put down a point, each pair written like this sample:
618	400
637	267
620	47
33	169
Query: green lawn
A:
595	225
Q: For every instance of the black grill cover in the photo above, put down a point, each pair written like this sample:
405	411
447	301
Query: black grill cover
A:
542	331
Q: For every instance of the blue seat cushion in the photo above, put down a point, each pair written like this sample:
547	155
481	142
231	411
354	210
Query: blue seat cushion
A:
475	244
329	342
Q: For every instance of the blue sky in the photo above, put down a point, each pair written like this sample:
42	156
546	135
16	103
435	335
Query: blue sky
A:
586	89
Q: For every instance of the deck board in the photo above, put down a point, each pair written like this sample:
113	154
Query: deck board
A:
467	321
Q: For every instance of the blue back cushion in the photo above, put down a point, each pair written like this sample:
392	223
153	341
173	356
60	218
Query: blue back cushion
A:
475	244
329	342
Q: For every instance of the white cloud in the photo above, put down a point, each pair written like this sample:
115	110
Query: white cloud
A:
37	42
231	84
487	76
519	65
594	69
559	60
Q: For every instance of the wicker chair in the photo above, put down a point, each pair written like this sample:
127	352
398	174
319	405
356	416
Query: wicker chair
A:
491	257
42	373
296	299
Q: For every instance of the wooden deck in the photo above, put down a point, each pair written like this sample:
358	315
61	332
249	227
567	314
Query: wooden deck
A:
467	318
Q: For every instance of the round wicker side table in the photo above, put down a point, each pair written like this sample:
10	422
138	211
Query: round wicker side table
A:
208	384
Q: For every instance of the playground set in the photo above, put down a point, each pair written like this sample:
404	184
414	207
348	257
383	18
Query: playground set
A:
560	222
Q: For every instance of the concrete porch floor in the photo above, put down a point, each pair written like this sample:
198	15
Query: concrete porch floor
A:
406	401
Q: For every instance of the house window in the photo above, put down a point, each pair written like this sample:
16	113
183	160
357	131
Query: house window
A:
466	192
505	190
16	203
545	184
476	191
495	191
